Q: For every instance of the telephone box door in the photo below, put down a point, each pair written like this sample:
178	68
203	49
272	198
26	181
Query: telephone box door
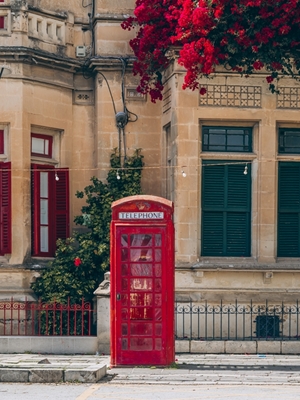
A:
141	303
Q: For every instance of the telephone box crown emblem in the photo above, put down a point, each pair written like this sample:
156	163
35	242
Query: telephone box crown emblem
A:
141	205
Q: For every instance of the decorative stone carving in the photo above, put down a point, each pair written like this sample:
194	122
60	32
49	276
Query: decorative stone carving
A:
19	21
289	97
83	97
231	96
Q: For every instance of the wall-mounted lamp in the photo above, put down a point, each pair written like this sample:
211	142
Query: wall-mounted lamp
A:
4	71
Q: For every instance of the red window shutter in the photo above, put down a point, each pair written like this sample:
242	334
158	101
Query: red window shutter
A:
1	141
62	204
35	209
1	22
5	208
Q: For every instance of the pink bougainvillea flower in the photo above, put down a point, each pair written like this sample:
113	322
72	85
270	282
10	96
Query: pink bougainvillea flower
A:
77	261
240	35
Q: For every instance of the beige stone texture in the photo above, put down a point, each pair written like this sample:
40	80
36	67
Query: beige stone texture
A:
290	347
240	347
268	347
202	347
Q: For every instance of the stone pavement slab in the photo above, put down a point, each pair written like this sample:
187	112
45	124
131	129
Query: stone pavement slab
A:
45	368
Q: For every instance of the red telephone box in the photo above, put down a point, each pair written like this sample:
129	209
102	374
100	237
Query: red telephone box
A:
142	281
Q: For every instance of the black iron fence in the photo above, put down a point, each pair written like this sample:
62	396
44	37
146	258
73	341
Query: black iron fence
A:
237	321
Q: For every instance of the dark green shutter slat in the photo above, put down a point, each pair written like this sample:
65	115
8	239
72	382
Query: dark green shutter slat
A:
289	186
212	233
288	209
238	187
288	235
213	184
226	206
237	234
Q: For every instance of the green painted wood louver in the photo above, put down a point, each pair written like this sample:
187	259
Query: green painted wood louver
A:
226	209
288	209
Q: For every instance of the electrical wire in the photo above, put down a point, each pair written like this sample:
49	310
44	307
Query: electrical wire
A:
154	167
111	96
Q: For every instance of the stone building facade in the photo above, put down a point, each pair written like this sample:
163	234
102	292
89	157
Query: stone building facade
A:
229	160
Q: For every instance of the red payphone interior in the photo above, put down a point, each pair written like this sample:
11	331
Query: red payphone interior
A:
142	281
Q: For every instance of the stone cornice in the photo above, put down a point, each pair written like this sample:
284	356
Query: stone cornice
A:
34	56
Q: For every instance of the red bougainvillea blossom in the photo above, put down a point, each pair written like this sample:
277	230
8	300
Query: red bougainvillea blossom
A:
241	35
77	261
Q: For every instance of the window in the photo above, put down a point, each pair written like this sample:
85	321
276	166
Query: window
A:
226	209
2	18
215	138
41	145
50	208
5	208
288	209
289	141
267	326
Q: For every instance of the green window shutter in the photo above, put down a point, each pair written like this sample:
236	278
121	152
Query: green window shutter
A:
288	209
212	233
226	209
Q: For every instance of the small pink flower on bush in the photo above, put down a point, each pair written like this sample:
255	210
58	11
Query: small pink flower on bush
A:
77	261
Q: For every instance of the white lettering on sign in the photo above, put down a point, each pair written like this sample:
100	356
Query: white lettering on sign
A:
141	215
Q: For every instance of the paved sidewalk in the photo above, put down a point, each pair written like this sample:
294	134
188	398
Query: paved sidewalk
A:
198	369
189	369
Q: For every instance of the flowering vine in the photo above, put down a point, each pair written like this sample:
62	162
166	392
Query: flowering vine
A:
244	36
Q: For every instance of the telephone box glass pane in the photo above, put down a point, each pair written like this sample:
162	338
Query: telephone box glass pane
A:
158	270
141	344
124	254
124	344
124	329
158	240
157	285
141	284
124	299
158	300
124	269
140	240
158	314
141	329
141	269
158	329
158	345
141	299
124	241
124	284
141	255
141	313
124	313
157	254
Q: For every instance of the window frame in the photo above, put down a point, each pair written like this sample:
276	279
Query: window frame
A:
47	138
280	148
56	207
225	150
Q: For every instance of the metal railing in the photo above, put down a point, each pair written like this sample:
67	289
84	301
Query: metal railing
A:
27	318
237	321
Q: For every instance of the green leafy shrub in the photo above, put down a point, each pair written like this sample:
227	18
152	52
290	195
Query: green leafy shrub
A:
82	259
